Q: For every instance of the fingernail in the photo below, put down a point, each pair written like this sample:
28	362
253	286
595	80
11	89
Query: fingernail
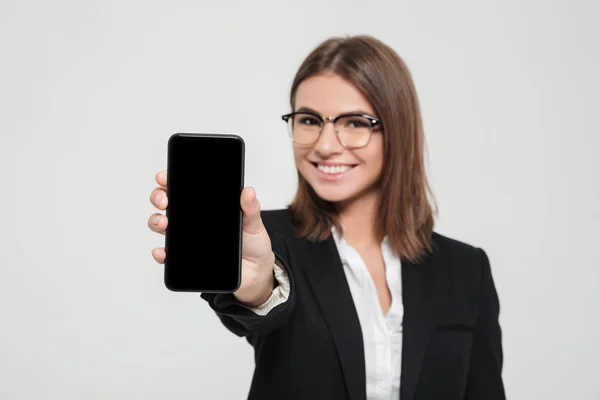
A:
159	199
252	195
156	220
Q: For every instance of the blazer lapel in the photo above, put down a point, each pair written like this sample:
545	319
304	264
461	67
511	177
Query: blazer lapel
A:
327	279
418	291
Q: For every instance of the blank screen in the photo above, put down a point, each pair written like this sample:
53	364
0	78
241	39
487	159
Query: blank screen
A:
203	236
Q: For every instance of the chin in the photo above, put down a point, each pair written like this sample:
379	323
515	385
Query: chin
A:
333	193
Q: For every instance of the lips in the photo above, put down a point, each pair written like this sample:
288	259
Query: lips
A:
332	172
331	164
334	169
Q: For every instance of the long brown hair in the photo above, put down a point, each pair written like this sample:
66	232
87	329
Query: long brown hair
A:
406	216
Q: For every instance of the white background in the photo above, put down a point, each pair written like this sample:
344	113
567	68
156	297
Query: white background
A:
91	91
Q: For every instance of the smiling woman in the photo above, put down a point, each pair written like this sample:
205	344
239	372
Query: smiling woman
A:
328	169
364	76
349	293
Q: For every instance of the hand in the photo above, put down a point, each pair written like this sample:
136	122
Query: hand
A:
258	259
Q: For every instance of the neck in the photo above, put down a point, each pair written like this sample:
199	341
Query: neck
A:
358	217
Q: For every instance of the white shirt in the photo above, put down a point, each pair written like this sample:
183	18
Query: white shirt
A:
382	335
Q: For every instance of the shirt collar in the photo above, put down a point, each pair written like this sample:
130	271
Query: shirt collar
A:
340	238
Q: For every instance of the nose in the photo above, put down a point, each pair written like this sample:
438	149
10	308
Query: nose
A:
328	143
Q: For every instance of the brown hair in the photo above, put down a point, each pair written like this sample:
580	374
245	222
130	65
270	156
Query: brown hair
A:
406	216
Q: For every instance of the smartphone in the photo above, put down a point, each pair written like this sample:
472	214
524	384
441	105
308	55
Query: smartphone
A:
203	238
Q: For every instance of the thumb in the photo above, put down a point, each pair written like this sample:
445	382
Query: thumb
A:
251	212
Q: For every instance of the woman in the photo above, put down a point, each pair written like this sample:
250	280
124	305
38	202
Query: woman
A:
348	293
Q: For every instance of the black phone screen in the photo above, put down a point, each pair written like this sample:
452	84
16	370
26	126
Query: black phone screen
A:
203	238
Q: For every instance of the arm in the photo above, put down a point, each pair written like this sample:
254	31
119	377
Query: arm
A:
280	294
485	376
243	320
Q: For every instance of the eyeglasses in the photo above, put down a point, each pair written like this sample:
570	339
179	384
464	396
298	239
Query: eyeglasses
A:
353	130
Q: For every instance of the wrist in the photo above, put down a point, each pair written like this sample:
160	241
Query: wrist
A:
261	289
262	296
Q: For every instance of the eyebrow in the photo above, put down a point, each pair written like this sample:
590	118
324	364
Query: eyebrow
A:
310	110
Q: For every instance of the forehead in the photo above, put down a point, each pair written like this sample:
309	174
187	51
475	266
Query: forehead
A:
331	95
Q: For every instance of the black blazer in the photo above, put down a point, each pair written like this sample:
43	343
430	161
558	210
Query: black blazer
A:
311	346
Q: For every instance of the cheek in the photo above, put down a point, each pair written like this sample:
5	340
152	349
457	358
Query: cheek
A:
300	161
373	157
375	167
379	163
300	157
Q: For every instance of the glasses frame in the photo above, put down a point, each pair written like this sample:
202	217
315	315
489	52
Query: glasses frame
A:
374	121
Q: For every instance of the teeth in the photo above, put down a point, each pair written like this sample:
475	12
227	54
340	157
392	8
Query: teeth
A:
338	169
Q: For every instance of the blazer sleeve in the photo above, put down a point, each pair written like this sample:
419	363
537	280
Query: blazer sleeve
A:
244	322
485	376
279	295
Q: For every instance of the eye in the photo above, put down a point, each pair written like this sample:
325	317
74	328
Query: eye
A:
357	123
308	120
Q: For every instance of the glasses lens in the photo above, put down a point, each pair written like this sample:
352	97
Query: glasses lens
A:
354	131
304	128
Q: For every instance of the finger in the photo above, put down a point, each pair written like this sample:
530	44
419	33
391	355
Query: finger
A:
251	211
161	178
158	223
158	197
159	255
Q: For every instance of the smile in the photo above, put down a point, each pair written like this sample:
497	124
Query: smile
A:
332	172
333	169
